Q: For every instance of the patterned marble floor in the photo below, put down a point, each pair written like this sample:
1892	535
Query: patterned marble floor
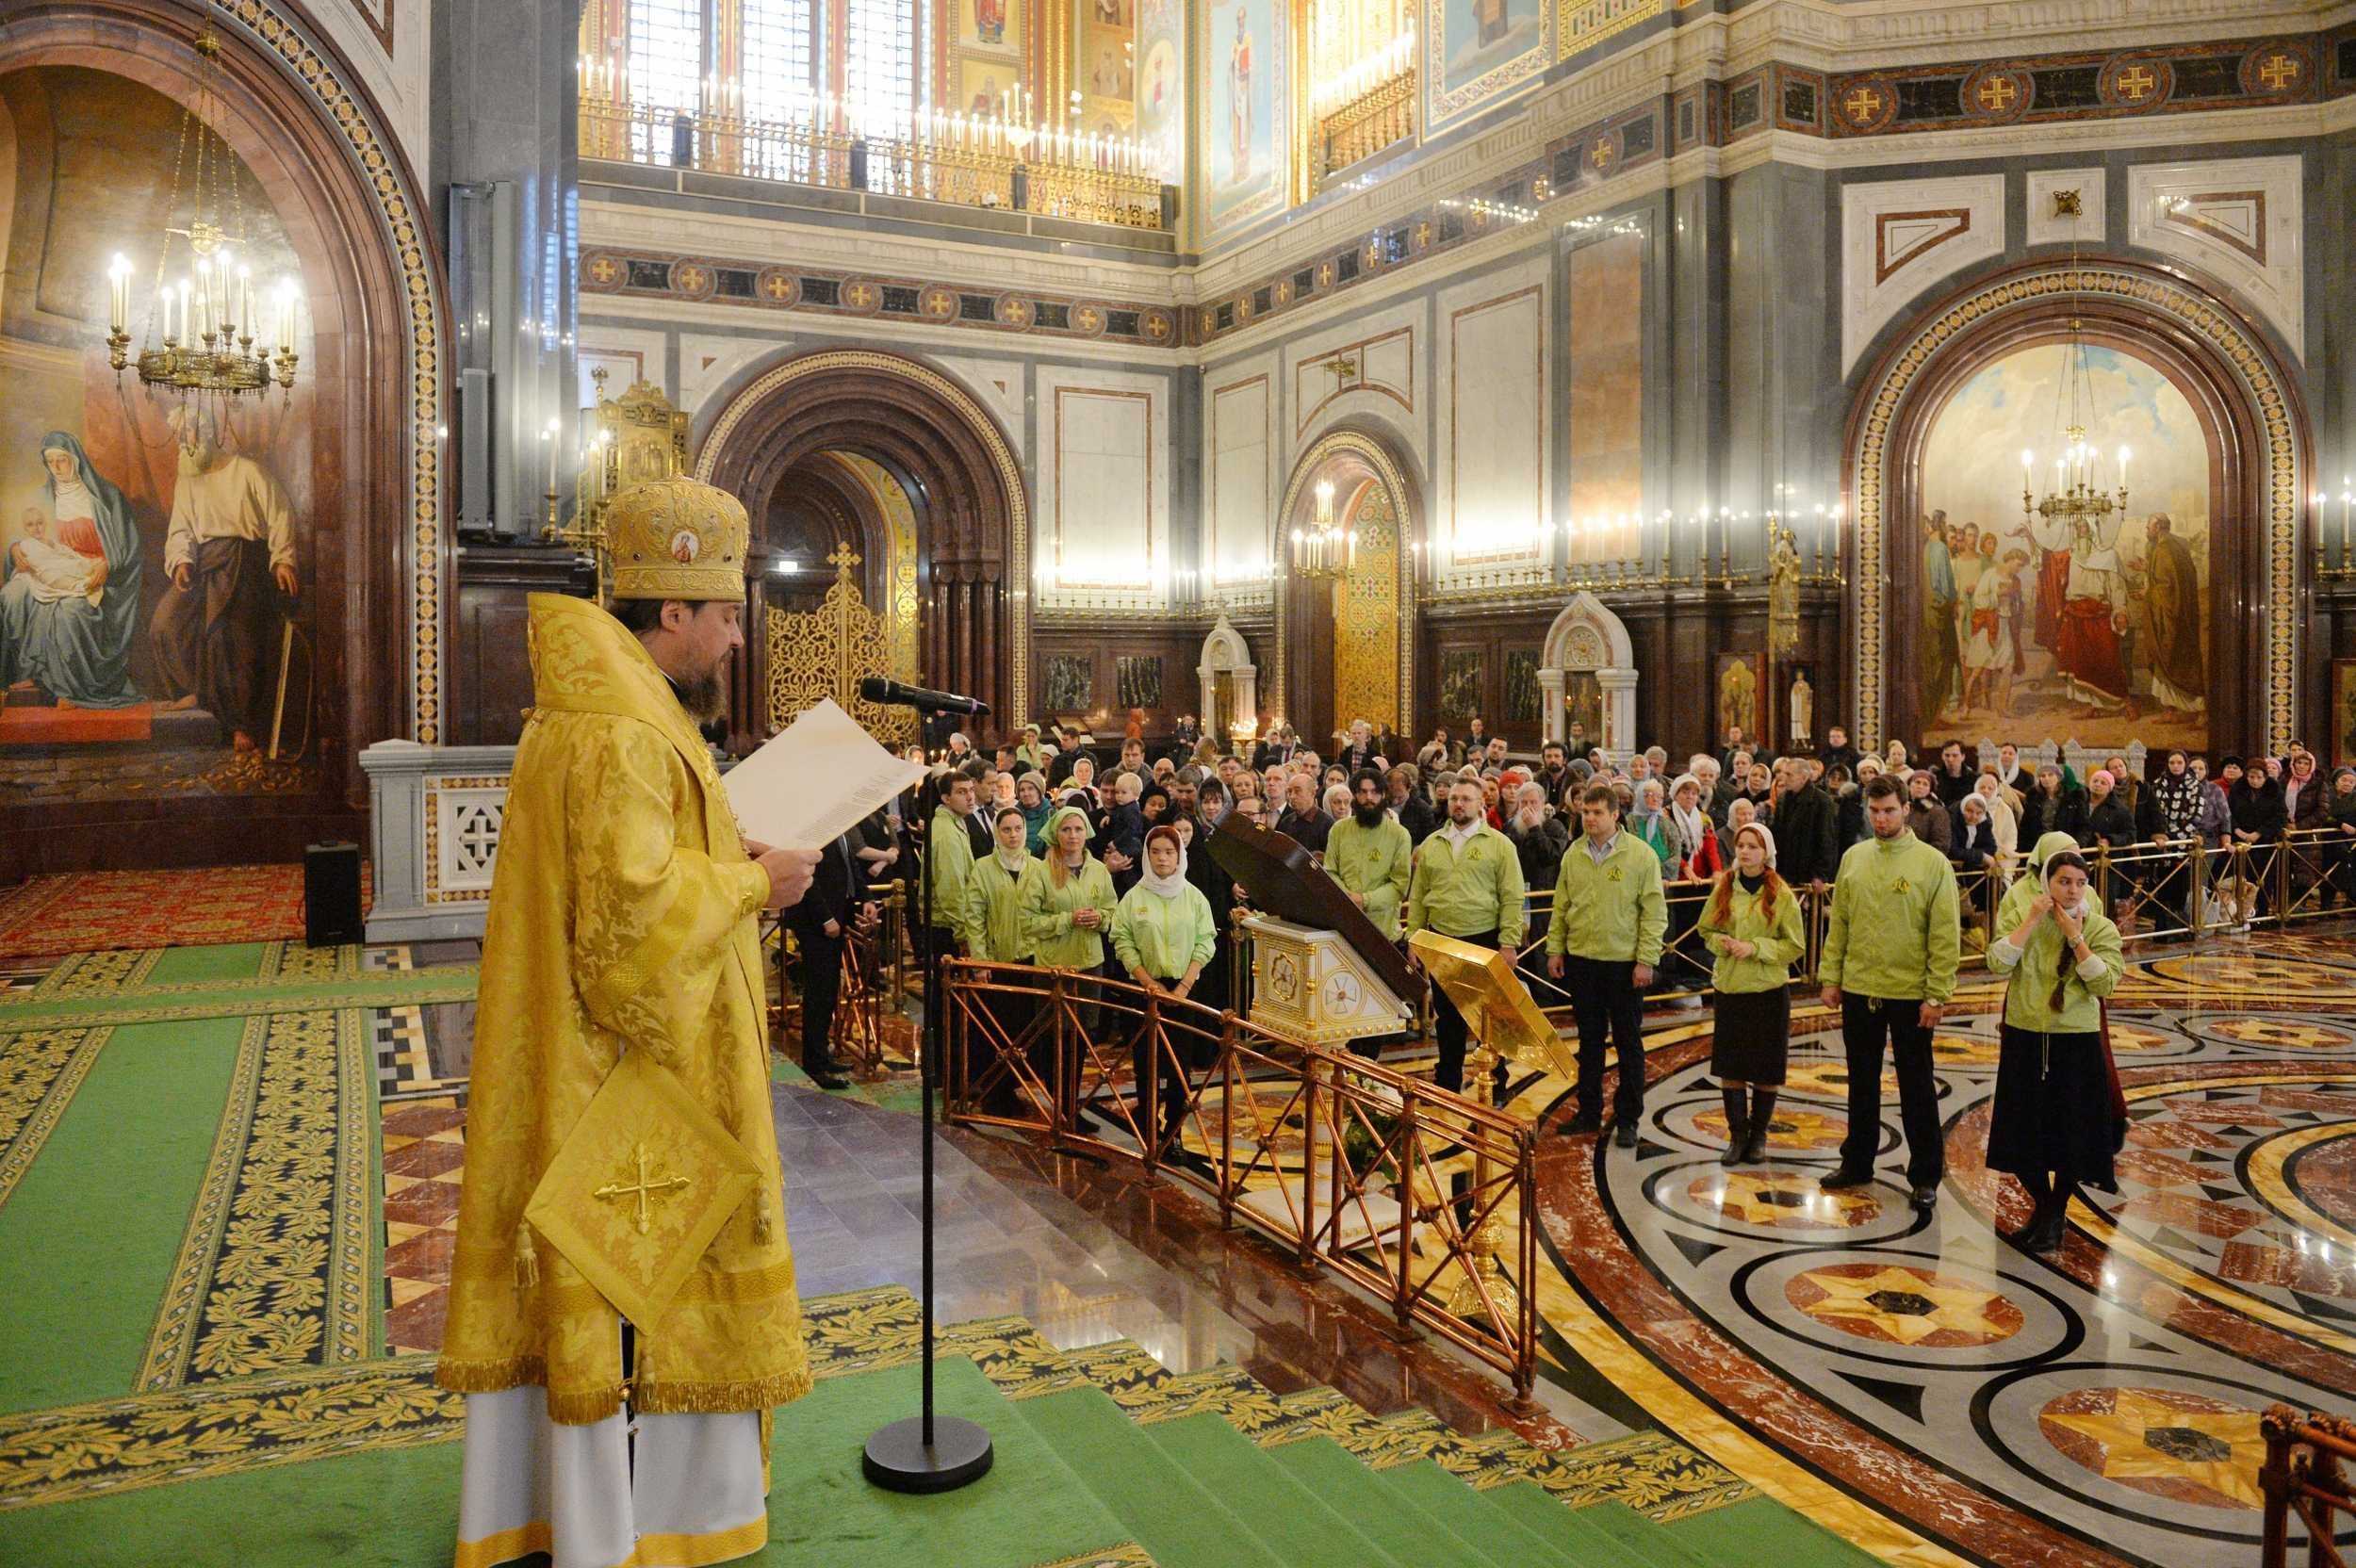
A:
1919	1383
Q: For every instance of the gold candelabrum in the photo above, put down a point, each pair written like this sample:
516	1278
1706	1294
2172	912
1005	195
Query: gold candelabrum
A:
2074	500
1324	550
930	155
213	341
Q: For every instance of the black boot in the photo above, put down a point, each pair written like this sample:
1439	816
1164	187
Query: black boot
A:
1762	1116
2053	1224
1738	1125
2040	1193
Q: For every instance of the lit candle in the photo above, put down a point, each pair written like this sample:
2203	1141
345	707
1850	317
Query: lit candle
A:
549	436
118	293
185	299
2122	470
2028	461
245	300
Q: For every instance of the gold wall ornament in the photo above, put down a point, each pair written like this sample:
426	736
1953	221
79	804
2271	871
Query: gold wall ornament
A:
634	439
1365	618
1392	482
826	652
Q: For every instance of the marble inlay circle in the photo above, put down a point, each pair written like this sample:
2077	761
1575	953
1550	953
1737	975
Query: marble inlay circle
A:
1778	1201
1793	1128
2248	974
1895	1304
2281	1034
2325	1175
2189	1449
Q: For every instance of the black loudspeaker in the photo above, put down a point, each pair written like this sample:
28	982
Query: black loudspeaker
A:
331	894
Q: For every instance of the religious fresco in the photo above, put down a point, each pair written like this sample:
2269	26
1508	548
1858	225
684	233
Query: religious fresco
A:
158	569
2035	631
1478	52
1247	130
1160	104
995	25
1108	40
1460	685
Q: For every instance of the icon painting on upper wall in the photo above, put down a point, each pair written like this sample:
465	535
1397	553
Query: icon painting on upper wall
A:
1479	51
1245	51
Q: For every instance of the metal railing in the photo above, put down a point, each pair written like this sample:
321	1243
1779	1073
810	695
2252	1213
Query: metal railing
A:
2303	1478
971	164
1415	1195
2180	891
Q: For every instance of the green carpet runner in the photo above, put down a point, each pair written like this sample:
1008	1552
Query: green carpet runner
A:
1105	1460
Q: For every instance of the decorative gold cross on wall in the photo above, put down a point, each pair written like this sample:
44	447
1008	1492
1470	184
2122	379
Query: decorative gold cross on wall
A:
645	1187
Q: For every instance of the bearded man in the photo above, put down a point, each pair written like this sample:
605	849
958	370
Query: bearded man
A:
1369	854
622	1307
231	541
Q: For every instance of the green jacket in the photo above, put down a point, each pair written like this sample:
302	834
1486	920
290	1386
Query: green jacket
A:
992	920
1163	936
1895	932
2028	996
1779	939
949	862
1613	912
1376	863
1047	911
1468	894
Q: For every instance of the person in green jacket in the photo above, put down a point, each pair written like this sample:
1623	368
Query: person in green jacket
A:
2052	1123
990	926
1466	884
1163	933
2030	885
1369	854
949	854
1605	936
1066	904
1888	968
1752	924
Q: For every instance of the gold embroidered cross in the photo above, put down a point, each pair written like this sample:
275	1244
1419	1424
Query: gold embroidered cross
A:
2278	71
2135	84
645	1187
1997	93
1863	105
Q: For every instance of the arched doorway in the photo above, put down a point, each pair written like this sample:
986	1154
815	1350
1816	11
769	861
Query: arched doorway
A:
1361	626
1231	682
98	90
1587	671
849	445
1921	436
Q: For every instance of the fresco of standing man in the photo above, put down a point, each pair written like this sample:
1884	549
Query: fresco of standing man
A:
230	542
1942	655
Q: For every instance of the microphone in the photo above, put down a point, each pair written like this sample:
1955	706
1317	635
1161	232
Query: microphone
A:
875	688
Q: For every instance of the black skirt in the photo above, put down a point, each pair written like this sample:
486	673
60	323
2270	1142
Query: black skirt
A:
1751	1036
2052	1108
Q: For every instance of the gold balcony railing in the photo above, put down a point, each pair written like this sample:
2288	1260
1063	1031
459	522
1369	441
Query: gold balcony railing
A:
1377	119
1417	1196
983	166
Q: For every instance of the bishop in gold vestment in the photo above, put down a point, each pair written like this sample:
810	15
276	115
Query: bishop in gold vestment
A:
622	924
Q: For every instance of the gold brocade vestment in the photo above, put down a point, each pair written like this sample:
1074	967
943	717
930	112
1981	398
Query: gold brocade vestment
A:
622	913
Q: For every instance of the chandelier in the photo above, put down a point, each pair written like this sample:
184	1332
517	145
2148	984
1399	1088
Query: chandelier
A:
1324	550
212	343
2076	501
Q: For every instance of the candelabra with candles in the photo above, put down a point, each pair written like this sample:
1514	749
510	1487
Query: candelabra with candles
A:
2320	503
1324	550
212	341
1368	106
2074	500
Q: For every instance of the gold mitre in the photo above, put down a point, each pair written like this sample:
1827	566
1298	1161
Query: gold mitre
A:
677	539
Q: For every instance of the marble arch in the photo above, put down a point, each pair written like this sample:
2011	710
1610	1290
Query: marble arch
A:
1586	637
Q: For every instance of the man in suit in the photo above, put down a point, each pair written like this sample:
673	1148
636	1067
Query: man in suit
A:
821	923
1302	822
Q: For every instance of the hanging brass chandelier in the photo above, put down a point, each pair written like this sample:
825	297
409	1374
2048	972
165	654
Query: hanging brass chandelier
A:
202	338
1324	550
2076	503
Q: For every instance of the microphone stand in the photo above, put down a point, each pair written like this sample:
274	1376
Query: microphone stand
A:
925	1453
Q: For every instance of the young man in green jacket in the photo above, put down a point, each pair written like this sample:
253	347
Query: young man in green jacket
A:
1369	853
1467	883
949	855
1888	968
1605	936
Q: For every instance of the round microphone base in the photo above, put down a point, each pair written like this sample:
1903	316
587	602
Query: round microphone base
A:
899	1460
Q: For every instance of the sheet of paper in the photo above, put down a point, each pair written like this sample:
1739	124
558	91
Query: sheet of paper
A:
814	780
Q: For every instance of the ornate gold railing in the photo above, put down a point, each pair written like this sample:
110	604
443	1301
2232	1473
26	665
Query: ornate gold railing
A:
2303	1478
1379	117
1414	1194
972	165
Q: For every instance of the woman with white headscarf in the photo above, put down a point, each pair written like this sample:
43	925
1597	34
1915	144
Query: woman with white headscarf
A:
1752	924
2057	1118
1163	933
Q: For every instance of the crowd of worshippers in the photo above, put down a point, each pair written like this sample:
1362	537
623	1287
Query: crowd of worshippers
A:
1034	856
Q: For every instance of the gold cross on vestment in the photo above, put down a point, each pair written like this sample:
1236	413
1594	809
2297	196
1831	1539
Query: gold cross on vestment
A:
645	1187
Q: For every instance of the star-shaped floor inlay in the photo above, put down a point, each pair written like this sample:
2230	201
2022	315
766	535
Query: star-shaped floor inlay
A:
1907	1306
2181	1446
1789	1202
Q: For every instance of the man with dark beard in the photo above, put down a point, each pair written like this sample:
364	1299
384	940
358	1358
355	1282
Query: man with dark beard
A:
1369	853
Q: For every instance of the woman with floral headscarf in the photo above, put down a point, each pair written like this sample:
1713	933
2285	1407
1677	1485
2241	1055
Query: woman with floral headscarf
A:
2057	1118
